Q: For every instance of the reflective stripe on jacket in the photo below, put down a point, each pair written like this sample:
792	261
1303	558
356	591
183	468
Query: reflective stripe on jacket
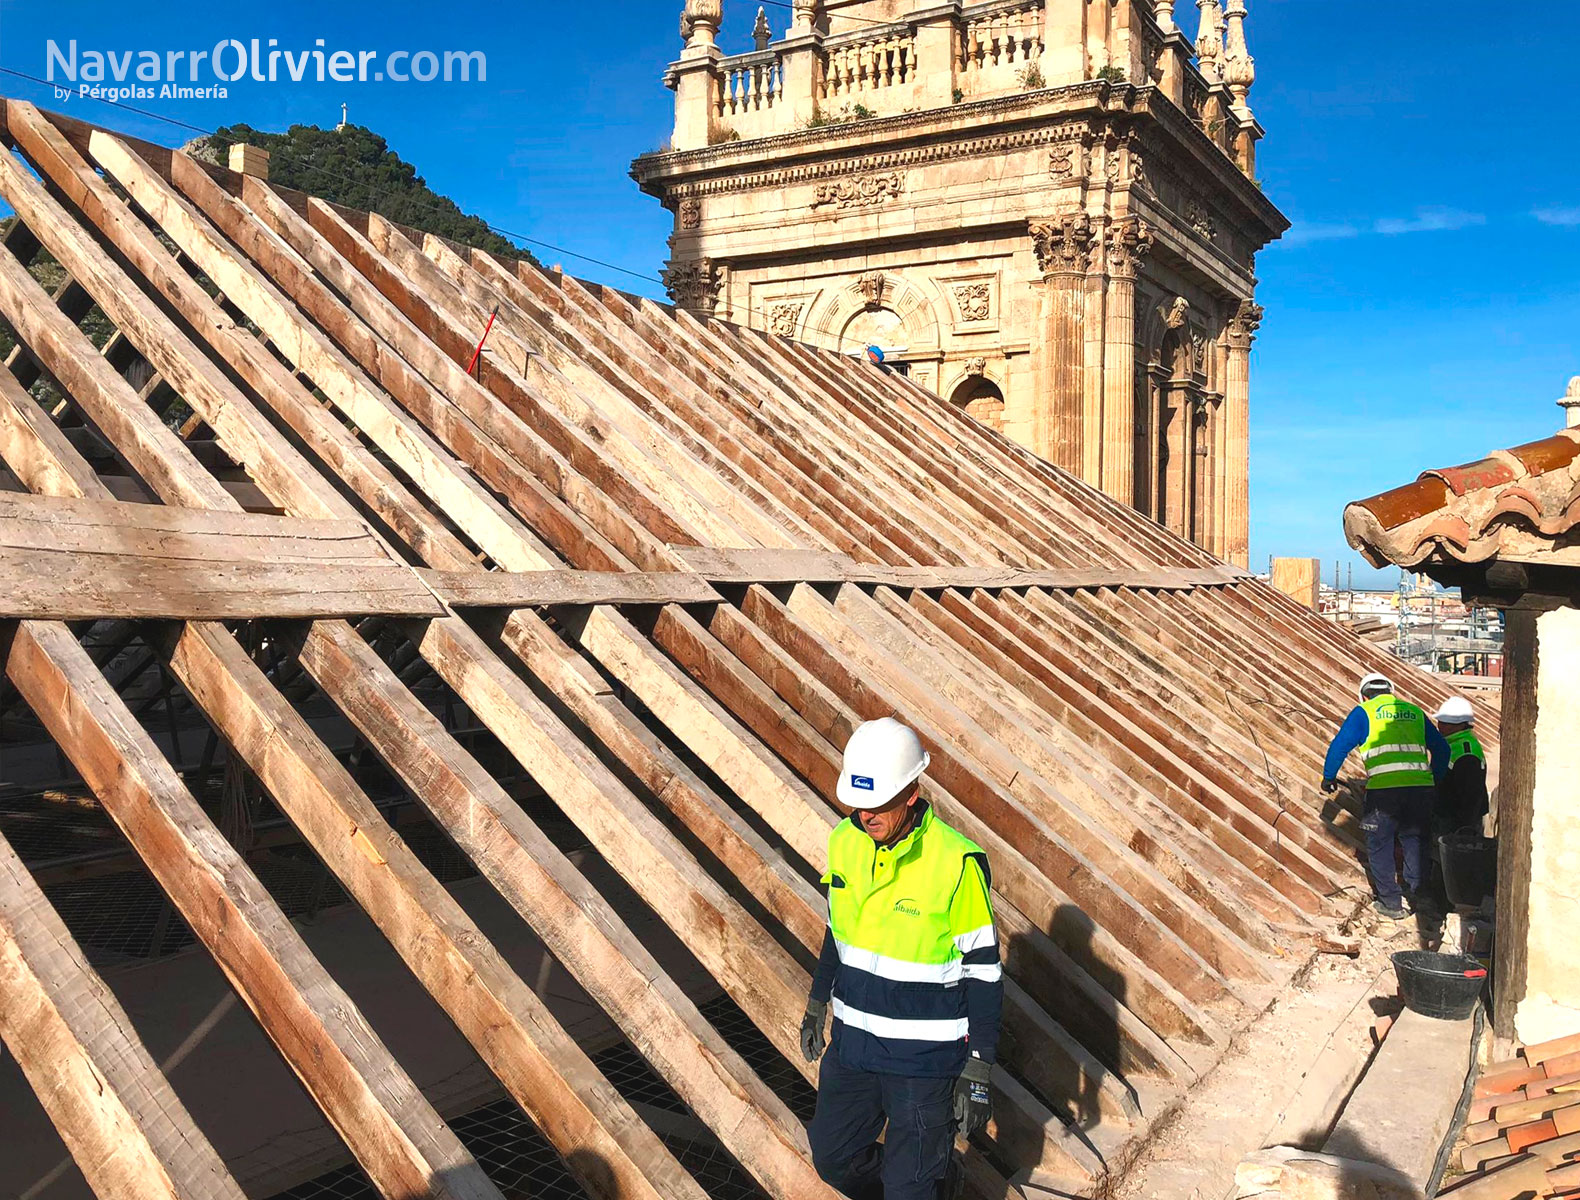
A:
913	926
1395	750
1462	743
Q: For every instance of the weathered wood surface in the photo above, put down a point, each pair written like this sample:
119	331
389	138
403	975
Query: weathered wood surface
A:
1126	725
371	1102
822	566
540	589
127	1132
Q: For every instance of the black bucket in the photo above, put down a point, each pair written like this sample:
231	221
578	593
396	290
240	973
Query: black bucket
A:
1470	867
1439	985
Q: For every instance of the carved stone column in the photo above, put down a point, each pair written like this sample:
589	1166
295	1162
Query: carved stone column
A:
1063	245
1237	433
1128	243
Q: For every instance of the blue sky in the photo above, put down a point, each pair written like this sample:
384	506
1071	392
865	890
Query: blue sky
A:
1423	310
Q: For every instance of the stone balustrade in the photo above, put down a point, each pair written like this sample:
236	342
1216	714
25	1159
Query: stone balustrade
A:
863	64
948	54
1001	35
750	87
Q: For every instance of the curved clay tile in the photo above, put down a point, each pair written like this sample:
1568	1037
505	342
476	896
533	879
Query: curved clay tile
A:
1548	454
1516	501
1394	508
1488	473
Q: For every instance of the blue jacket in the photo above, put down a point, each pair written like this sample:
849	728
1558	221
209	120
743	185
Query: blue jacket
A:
1353	733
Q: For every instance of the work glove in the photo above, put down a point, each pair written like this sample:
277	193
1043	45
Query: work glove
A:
973	1104
812	1039
1330	786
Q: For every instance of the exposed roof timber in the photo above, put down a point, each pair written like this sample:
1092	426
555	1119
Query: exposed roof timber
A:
1127	726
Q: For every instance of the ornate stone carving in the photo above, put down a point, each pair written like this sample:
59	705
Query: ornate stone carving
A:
784	319
874	287
694	285
976	366
1177	313
1063	244
974	300
1129	241
1071	159
762	32
1244	324
690	214
860	191
1199	219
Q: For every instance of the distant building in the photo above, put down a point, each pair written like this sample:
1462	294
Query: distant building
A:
1045	212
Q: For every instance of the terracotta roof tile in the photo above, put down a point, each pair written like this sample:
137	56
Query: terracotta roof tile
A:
1524	501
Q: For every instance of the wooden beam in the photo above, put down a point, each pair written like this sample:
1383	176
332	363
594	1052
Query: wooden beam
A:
575	922
823	566
538	589
126	1129
71	586
372	1103
605	1144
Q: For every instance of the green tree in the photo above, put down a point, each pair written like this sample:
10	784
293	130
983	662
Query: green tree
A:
354	167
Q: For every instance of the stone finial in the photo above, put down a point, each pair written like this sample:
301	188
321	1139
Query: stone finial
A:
1571	404
1239	67
1209	41
762	32
805	16
1163	14
699	24
249	160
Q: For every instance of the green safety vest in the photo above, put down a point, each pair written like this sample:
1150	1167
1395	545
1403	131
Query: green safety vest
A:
911	922
1462	743
1395	750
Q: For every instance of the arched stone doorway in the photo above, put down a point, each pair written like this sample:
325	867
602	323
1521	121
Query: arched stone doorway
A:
982	399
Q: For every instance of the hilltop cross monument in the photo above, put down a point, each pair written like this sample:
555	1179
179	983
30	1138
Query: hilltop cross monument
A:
1043	210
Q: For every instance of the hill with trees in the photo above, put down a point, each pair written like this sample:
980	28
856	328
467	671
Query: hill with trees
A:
355	167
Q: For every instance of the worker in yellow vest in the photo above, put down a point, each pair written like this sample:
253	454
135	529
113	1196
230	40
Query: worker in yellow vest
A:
1462	800
910	963
1404	755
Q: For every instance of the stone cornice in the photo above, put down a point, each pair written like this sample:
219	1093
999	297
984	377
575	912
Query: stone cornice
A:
887	160
825	139
830	151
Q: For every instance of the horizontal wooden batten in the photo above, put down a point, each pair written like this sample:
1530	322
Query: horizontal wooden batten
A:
537	589
730	566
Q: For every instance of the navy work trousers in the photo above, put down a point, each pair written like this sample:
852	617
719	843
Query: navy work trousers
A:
852	1107
1404	814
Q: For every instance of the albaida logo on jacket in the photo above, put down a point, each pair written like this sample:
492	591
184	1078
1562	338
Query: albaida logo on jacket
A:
908	907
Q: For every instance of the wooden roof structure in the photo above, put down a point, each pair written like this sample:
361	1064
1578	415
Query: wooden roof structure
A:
668	565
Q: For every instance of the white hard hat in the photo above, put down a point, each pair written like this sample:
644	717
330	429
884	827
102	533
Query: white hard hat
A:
882	759
1375	682
1456	710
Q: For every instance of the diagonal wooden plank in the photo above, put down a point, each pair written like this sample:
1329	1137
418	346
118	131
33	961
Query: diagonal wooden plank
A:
400	1141
127	1131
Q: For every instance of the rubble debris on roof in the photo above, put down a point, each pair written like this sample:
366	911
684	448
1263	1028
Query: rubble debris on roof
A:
1518	503
668	565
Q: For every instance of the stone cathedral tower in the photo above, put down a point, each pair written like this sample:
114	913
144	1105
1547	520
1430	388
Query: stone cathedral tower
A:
1045	210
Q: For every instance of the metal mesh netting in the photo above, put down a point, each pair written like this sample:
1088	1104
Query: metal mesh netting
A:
521	1163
